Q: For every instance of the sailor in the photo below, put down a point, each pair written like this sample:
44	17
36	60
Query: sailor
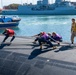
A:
73	30
37	37
8	33
45	38
56	37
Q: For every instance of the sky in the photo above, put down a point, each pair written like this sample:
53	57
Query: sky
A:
7	2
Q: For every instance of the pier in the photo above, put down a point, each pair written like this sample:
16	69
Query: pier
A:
22	57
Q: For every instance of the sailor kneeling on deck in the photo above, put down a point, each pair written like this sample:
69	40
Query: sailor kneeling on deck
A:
45	38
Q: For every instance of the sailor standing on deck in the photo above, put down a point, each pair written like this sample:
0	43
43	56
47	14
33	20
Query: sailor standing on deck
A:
8	33
73	30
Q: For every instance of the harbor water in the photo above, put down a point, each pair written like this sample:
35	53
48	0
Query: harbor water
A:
33	24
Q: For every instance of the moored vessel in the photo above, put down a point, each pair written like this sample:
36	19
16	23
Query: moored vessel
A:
7	22
60	7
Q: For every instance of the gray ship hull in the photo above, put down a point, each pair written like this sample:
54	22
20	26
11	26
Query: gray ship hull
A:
52	12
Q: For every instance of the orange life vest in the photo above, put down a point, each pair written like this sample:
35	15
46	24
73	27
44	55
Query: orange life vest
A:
10	32
74	27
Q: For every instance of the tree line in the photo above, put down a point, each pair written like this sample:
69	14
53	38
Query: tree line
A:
11	6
